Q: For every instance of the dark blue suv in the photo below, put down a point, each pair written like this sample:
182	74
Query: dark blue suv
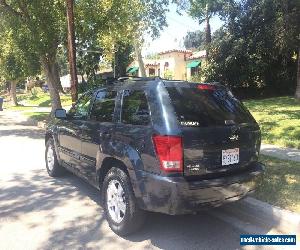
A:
172	147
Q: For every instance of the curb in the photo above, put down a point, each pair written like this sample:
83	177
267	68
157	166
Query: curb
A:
285	220
283	153
253	211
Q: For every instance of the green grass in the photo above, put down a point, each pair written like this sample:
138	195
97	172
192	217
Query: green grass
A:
279	120
39	99
38	116
18	108
43	99
280	185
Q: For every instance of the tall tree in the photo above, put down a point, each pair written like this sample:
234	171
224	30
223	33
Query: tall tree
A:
123	57
135	19
99	25
15	65
194	40
89	20
258	48
37	27
40	27
203	11
151	19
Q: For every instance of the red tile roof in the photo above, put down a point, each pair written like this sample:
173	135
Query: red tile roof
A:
175	50
151	64
197	54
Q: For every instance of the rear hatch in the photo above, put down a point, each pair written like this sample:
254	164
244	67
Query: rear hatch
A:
219	134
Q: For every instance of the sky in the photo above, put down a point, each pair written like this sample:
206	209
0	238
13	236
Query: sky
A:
172	36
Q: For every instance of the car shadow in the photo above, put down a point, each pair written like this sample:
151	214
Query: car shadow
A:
37	192
24	132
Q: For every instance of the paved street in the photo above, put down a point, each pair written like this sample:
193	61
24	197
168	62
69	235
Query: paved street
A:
39	212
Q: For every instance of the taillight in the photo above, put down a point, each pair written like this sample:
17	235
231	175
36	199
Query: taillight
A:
206	87
169	151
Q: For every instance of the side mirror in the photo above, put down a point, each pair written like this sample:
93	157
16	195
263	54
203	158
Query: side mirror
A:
60	114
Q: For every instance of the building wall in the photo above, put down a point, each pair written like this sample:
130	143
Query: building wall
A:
177	65
180	66
188	73
167	58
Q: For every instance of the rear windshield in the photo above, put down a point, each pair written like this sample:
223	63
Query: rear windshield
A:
202	108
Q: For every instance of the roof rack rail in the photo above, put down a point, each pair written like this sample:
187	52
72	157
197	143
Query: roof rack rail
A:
173	80
123	78
138	78
110	80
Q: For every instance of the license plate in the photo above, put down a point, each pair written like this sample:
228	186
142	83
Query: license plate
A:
230	156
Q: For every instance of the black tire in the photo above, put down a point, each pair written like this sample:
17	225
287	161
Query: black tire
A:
134	217
56	170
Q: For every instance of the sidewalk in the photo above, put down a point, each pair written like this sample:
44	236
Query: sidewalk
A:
16	128
280	152
10	119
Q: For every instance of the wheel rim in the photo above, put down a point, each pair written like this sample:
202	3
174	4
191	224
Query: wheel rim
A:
116	204
50	158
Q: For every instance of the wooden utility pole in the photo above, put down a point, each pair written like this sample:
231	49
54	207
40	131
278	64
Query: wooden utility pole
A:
72	49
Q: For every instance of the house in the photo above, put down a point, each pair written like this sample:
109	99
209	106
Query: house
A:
194	63
172	64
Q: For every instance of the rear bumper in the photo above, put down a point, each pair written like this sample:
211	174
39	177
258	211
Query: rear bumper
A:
176	195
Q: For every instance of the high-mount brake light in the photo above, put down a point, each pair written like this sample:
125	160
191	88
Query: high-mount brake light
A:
170	152
206	87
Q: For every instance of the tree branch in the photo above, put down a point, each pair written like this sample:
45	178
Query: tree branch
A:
24	9
6	7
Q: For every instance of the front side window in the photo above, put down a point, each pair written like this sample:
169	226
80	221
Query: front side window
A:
135	108
104	106
81	109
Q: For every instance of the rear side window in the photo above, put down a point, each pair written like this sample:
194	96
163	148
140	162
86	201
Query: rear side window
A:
135	108
207	107
104	106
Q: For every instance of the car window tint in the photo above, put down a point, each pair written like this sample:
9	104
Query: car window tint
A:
81	109
135	108
207	107
104	106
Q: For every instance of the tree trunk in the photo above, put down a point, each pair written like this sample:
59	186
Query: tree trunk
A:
13	93
140	59
207	32
26	84
8	87
116	62
50	70
57	79
297	93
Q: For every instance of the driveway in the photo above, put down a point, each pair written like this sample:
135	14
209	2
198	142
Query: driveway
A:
39	212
